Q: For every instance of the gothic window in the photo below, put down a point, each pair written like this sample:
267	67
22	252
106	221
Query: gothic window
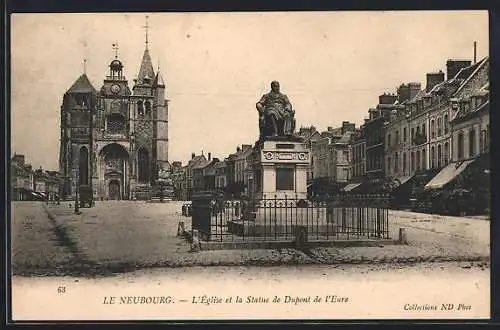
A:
116	124
143	160
397	137
140	109
389	141
446	124
147	104
84	166
439	127
423	129
433	130
404	134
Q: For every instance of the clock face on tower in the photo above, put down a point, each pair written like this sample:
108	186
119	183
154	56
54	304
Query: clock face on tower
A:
115	89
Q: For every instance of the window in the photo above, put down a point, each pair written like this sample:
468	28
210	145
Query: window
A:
284	178
404	162
412	161
396	160
472	143
397	137
446	127
147	104
404	134
412	133
424	159
140	109
423	129
388	165
439	155
482	142
433	157
388	140
418	160
433	130
439	127
460	146
446	153
115	124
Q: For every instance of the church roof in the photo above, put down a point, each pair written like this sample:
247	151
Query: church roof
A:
146	69
158	79
82	85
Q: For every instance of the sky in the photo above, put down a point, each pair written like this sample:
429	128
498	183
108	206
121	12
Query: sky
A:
216	66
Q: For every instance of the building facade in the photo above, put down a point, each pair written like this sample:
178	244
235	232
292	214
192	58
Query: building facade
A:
115	139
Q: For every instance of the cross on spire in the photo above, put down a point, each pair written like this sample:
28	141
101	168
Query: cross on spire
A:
84	65
147	28
115	48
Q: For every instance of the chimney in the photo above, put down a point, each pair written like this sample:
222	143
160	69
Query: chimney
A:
454	66
475	53
192	155
415	87
209	156
387	99
433	79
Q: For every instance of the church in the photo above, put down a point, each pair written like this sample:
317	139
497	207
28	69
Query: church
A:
114	141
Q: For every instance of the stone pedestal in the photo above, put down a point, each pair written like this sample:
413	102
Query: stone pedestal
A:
280	168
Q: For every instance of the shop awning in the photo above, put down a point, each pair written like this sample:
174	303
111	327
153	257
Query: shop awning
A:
403	179
352	186
447	174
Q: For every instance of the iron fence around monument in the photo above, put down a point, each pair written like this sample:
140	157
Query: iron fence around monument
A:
339	217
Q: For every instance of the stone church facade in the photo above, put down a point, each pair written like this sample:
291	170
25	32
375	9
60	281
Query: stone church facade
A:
115	140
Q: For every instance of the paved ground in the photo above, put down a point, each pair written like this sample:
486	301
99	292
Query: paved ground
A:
373	291
123	236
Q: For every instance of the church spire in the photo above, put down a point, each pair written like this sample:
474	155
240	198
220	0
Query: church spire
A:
146	27
146	72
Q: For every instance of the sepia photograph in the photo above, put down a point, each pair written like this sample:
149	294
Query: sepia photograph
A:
317	165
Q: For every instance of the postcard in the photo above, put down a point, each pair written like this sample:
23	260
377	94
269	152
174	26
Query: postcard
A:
329	165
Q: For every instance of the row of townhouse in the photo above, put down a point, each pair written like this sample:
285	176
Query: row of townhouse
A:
28	184
427	138
415	138
232	174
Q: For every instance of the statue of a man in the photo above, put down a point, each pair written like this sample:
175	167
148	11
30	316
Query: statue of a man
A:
275	113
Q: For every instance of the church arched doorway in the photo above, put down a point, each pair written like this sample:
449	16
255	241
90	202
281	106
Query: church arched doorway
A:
113	171
114	190
143	165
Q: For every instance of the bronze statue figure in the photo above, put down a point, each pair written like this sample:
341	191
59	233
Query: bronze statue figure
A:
276	116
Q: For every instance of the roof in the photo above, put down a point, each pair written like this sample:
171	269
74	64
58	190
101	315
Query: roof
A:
463	113
158	80
146	69
465	74
196	161
82	85
346	138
